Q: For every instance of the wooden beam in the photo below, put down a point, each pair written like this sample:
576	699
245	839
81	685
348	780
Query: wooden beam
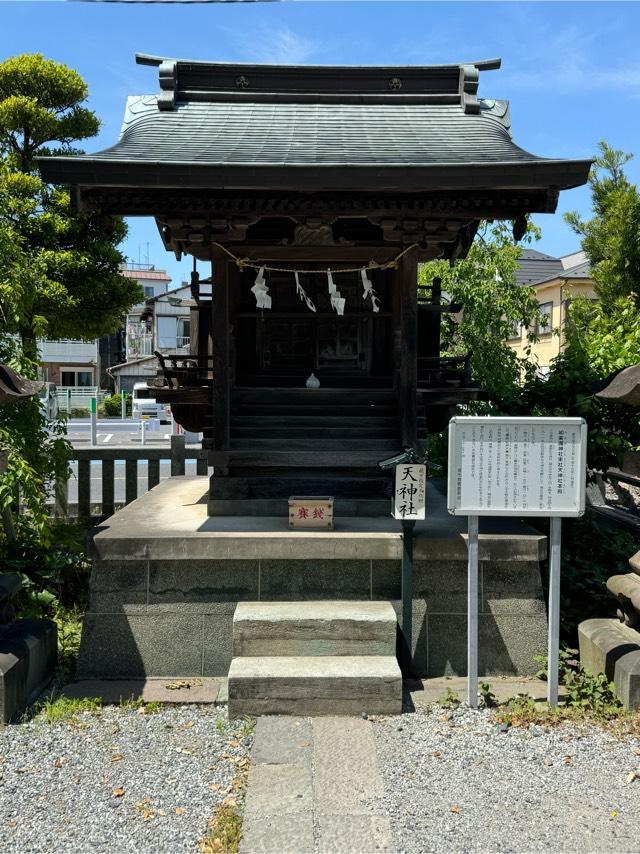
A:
407	281
221	368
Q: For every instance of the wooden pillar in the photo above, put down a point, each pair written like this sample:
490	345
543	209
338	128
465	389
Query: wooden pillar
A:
407	283
221	368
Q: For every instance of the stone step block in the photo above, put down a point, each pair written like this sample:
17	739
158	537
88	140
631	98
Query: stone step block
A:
314	628
608	646
315	685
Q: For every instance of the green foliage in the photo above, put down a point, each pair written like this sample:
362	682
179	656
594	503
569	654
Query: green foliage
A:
38	457
493	302
133	703
611	238
224	833
59	268
487	698
449	699
66	709
586	693
55	571
65	264
40	103
112	405
603	337
247	727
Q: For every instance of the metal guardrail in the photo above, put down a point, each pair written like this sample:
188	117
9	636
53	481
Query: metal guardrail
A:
177	453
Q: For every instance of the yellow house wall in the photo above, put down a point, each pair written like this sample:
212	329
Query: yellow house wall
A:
549	344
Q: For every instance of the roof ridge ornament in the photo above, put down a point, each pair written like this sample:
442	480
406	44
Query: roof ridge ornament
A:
469	79
168	74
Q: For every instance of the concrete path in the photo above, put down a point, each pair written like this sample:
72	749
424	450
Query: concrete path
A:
308	784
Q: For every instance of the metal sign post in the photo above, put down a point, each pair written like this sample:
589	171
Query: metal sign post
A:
472	613
516	467
553	649
93	410
406	592
409	506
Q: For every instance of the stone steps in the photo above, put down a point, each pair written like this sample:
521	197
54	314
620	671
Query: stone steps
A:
314	658
314	628
315	685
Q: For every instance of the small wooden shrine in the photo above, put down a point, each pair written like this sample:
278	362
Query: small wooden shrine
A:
314	192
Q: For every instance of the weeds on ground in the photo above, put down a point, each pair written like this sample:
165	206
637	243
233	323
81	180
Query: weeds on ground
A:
487	697
137	704
224	833
248	726
449	700
588	697
66	709
69	622
220	724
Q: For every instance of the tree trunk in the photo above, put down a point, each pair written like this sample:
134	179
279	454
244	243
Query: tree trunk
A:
29	347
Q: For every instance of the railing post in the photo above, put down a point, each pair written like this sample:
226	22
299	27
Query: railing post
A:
123	405
143	432
153	473
202	463
130	481
108	487
61	497
177	455
84	488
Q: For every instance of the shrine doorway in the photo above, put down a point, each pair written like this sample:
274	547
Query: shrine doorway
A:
281	347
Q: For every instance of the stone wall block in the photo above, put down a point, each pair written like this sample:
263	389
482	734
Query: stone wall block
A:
217	640
118	586
282	580
511	588
506	646
120	646
418	632
194	585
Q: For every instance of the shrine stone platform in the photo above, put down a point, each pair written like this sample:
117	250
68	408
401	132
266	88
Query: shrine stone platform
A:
167	577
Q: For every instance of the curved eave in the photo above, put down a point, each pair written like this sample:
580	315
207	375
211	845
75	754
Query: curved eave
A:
87	172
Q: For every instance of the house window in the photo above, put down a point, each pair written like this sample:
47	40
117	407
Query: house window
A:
76	378
184	332
516	331
544	324
148	291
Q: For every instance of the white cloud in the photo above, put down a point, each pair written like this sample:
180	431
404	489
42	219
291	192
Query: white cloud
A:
571	60
279	45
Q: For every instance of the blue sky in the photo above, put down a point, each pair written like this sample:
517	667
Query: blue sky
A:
570	70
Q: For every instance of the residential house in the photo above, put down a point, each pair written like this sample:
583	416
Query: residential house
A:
68	363
162	324
555	282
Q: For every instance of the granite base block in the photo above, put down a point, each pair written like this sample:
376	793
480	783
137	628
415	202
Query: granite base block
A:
28	657
167	578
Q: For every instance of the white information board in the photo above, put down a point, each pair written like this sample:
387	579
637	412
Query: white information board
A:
409	497
516	466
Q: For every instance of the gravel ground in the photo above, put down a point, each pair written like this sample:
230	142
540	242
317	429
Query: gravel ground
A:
454	782
119	782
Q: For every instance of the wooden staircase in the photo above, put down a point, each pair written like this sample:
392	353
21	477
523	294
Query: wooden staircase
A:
293	441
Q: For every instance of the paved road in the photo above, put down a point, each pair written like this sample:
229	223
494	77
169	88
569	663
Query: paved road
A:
115	431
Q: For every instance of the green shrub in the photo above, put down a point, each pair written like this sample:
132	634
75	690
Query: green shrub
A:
112	405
